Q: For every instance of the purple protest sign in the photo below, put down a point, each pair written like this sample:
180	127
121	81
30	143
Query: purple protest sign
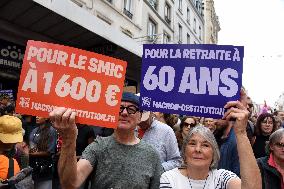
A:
194	80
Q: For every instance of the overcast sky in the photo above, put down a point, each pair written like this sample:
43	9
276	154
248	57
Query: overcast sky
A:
258	25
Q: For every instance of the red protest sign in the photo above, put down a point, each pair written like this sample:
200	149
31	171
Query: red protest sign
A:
59	76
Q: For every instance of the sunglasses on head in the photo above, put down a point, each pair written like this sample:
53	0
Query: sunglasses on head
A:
188	124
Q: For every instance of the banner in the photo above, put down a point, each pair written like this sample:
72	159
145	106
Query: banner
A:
59	76
194	80
7	93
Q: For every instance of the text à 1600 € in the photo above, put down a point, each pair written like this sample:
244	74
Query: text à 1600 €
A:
209	78
78	88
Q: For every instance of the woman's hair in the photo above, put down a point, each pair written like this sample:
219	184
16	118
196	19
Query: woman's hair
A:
179	136
209	137
184	119
274	138
170	119
260	118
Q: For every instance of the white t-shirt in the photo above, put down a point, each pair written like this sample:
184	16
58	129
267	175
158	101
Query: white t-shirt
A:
217	179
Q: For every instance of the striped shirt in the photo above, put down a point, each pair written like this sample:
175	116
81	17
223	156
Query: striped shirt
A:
217	179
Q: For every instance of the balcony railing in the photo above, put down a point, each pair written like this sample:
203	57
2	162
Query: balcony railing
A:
168	20
153	3
127	13
150	39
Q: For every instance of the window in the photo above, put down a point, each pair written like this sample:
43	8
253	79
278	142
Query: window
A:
166	38
188	38
167	13
188	15
127	8
180	5
127	5
197	5
179	33
153	3
199	32
152	28
194	25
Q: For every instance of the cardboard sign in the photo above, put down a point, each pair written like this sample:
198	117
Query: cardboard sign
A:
194	80
59	76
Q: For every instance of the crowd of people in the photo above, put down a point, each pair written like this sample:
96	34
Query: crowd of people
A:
148	149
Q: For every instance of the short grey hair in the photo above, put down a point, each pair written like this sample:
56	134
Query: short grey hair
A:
275	137
209	137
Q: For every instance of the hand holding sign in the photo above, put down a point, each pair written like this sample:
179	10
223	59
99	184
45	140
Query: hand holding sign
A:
63	120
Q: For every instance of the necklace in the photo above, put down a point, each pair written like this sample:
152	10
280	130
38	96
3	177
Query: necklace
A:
203	185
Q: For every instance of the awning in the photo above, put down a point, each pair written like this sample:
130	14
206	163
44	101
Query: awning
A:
64	22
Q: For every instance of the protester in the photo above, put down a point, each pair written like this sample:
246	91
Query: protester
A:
187	123
253	119
118	161
199	120
42	149
162	138
201	155
10	134
272	166
176	127
229	158
85	137
169	119
29	124
280	114
210	124
250	125
22	154
265	125
278	122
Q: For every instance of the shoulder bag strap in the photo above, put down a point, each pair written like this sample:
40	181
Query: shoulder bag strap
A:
11	168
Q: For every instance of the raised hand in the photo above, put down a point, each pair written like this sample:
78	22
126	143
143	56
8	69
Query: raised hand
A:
63	120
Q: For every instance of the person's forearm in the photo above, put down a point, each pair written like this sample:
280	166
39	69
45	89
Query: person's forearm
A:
250	174
67	165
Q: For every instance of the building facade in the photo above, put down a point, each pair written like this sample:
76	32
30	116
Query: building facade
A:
157	22
189	22
279	104
212	25
116	28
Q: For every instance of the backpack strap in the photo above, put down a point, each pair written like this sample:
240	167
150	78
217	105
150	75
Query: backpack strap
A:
11	168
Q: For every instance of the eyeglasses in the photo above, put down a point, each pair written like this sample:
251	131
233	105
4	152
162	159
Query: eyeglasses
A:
279	145
130	109
188	124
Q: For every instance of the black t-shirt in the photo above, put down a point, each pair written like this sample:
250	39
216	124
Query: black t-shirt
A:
84	133
259	146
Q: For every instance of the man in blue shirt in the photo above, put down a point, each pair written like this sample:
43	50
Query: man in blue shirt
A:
162	138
